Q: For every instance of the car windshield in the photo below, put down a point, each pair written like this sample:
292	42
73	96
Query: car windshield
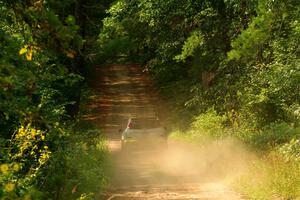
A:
143	123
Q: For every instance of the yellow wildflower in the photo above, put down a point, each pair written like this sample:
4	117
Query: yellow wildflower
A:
43	137
21	132
16	167
21	129
4	168
9	187
23	50
44	156
29	54
33	133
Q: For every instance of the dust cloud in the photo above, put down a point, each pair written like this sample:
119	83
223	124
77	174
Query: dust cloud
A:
222	160
182	163
180	171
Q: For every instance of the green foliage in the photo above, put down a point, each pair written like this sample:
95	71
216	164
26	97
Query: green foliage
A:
81	168
92	166
23	159
290	151
43	54
274	135
275	174
191	45
227	68
176	95
249	46
250	49
208	126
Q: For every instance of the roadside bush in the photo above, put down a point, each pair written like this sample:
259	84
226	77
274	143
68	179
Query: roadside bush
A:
79	169
90	164
207	126
290	151
31	169
274	135
273	176
210	125
23	160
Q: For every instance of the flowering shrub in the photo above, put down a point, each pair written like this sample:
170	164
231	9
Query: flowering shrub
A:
26	154
31	145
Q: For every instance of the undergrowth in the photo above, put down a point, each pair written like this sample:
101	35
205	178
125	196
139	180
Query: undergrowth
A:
274	174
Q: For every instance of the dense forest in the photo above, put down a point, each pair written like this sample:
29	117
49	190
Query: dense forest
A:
227	68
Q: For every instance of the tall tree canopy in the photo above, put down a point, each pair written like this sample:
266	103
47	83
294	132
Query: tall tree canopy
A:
247	52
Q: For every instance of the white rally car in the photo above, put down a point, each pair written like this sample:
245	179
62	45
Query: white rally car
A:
144	132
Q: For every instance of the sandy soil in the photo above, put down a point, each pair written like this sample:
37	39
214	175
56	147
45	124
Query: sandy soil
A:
179	171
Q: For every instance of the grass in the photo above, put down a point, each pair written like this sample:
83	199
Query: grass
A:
90	162
269	179
275	172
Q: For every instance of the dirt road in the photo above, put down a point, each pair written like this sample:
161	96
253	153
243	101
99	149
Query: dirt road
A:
180	171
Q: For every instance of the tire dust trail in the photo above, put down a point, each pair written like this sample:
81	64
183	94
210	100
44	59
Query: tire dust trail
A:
180	171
